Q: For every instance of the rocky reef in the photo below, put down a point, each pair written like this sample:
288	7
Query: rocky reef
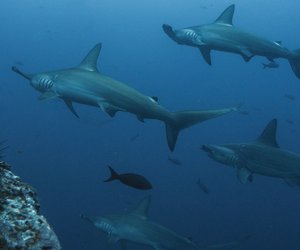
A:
21	225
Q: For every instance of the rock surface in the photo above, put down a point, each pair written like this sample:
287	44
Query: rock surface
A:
21	225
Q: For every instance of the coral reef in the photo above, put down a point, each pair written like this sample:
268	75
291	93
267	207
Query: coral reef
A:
21	225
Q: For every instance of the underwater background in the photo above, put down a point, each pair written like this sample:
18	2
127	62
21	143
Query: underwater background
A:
65	158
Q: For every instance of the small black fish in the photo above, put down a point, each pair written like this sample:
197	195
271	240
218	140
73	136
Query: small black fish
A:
290	97
202	186
130	179
290	121
175	161
19	63
244	112
3	147
134	137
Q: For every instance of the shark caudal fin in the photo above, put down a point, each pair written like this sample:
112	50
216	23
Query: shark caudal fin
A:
295	62
185	119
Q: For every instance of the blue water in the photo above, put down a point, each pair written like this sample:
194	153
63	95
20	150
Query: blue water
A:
65	158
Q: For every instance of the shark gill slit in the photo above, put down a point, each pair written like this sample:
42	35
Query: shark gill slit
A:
45	83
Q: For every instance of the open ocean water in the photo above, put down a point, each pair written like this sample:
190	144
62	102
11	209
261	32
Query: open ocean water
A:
65	158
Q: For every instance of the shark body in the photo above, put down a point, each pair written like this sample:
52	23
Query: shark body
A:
136	227
263	157
84	84
222	35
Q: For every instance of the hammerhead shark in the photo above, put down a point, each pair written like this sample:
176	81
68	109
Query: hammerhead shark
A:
263	156
136	227
86	85
222	35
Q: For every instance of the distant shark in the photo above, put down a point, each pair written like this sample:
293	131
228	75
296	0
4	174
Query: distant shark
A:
84	84
221	35
136	227
263	156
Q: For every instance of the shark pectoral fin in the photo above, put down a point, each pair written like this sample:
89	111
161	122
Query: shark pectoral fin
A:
107	108
205	51
47	95
113	239
70	107
140	118
292	182
244	175
246	54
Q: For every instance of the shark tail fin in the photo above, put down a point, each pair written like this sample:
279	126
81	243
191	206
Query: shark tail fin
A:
113	175
295	62
185	119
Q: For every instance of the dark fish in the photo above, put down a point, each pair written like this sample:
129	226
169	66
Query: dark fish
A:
175	161
134	137
130	179
203	187
270	65
290	97
19	63
244	112
3	147
290	121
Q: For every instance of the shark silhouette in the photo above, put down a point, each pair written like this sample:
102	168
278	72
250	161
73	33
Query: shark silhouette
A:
136	227
86	85
222	35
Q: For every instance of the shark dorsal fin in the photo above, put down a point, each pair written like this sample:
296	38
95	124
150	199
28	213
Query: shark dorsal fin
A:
142	208
268	136
226	16
90	61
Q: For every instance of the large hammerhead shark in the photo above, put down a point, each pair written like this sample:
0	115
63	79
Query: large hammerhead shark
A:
86	85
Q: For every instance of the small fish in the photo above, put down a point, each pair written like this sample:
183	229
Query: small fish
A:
175	161
3	147
270	65
130	179
134	137
290	121
203	187
290	97
19	63
244	112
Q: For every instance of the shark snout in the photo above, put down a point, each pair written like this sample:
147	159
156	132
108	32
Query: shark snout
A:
25	75
208	149
168	30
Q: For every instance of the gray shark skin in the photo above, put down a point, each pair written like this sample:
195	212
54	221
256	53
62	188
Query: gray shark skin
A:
222	35
84	84
136	227
263	157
